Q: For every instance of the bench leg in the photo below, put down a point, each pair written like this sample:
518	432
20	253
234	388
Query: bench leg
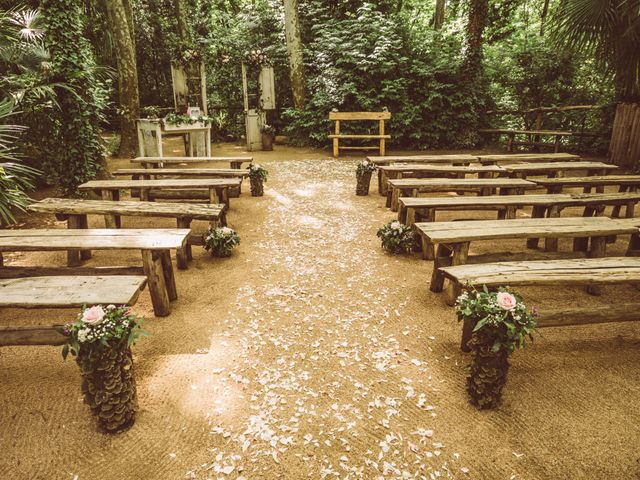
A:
632	251
153	269
183	254
110	220
426	247
73	255
169	277
84	223
537	212
336	148
383	183
460	255
598	250
467	331
410	216
442	259
395	195
551	244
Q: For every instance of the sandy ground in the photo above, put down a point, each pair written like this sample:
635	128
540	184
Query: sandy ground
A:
310	353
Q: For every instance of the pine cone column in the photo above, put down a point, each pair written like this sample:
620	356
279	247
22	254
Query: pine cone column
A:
488	373
362	186
257	187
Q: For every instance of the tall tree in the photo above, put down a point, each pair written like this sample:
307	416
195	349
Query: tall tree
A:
476	23
294	50
438	16
121	27
74	151
180	10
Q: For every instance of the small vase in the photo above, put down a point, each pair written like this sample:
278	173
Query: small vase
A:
267	141
488	373
257	187
362	186
109	385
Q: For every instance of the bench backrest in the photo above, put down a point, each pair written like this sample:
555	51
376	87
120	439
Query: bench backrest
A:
359	115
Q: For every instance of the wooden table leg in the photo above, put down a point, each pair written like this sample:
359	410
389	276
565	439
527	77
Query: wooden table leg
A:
169	277
153	269
110	220
460	255
183	254
598	250
442	258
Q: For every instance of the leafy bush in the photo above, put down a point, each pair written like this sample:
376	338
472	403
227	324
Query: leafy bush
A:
396	237
221	241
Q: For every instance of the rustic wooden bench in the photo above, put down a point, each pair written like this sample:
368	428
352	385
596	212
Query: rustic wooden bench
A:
155	245
157	162
510	133
61	292
506	205
401	170
218	188
338	117
481	186
456	159
557	169
75	212
527	158
454	238
588	272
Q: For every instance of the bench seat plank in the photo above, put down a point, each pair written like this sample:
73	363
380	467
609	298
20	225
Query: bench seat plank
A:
528	157
70	291
453	158
543	168
356	136
164	183
196	172
446	169
593	181
450	184
93	239
156	160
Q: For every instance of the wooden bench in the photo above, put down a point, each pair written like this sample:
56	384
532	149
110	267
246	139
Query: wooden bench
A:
506	205
527	158
556	185
338	117
457	159
218	188
453	239
157	162
75	212
481	186
556	169
154	244
588	272
61	292
558	135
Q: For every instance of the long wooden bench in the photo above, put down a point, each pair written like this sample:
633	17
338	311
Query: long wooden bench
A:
556	169
556	185
536	134
453	239
156	162
586	272
482	186
506	205
61	292
491	159
75	212
338	117
154	244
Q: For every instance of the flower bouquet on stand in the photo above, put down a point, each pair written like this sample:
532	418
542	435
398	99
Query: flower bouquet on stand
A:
101	341
501	323
397	237
257	177
363	177
221	241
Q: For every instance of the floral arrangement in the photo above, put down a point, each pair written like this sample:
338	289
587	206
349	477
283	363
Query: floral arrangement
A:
256	57
502	315
257	171
221	241
501	323
178	119
99	327
365	167
268	130
397	237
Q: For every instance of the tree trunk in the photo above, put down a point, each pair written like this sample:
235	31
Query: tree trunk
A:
294	50
181	20
438	17
122	35
472	64
543	16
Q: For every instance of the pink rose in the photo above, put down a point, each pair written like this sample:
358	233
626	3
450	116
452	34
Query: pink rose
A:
506	300
93	316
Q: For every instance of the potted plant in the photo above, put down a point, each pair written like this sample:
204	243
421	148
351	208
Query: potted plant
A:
501	323
363	177
268	133
257	176
101	340
397	237
221	241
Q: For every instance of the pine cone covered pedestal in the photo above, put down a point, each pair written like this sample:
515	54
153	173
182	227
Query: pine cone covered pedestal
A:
488	373
363	182
257	187
109	385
